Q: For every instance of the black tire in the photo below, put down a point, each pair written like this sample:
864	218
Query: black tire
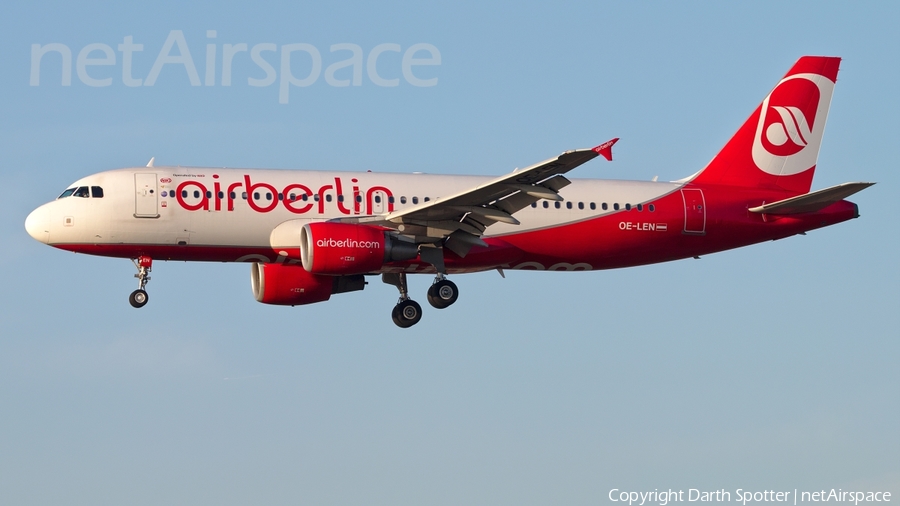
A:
138	298
406	313
443	294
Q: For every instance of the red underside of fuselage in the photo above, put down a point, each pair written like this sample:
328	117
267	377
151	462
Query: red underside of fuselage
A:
620	239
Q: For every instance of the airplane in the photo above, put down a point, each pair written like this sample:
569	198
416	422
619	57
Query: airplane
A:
309	235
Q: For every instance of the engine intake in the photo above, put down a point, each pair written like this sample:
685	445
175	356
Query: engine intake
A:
292	285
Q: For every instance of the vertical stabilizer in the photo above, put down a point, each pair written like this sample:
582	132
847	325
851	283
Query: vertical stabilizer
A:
778	145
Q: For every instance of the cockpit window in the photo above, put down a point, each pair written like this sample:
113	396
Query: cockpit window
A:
96	192
67	193
81	191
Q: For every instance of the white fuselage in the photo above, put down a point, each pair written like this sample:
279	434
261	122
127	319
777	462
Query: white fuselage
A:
177	206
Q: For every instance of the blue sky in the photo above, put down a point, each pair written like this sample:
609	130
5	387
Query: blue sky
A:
769	367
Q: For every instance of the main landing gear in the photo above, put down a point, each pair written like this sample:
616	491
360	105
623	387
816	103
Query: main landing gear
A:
442	293
139	297
408	312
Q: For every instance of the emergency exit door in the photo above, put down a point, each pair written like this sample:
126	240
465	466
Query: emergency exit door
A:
694	211
146	198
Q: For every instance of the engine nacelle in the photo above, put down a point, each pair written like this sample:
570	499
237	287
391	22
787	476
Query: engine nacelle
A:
292	285
346	248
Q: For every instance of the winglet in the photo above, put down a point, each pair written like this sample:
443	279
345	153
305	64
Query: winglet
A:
605	149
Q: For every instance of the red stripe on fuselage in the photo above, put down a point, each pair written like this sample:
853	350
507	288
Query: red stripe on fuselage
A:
604	243
620	239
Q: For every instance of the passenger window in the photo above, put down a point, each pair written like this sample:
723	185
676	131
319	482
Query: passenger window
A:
96	192
427	199
304	197
391	200
358	198
232	195
221	195
184	194
415	200
534	204
67	193
316	197
651	208
628	207
616	206
196	194
402	200
244	195
209	194
328	198
82	191
293	197
546	204
340	198
377	199
640	207
568	205
604	206
581	205
593	206
268	196
280	196
557	205
255	195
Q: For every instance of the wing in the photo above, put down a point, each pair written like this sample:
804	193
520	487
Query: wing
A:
463	217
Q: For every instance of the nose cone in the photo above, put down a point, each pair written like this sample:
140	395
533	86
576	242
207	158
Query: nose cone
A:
38	224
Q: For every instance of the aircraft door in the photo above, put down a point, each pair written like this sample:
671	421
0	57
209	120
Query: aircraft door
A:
146	198
379	200
694	211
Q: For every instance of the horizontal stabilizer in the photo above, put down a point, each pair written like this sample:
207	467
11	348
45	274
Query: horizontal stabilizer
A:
811	202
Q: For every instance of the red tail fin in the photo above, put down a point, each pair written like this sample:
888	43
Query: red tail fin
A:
778	145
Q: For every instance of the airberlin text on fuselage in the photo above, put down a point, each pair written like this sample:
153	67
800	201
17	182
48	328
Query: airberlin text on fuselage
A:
297	198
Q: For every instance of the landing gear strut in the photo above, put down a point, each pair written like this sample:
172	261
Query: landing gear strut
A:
139	297
443	292
407	312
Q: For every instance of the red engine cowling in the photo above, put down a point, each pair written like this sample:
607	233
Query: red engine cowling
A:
345	248
292	285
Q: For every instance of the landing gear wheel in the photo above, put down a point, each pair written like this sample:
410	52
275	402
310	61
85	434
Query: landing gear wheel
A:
407	313
443	294
138	298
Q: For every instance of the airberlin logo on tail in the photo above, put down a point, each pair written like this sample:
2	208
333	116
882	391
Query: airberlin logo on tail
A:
793	127
790	111
791	122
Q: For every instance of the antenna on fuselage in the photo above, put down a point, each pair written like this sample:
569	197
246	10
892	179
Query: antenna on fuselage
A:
150	163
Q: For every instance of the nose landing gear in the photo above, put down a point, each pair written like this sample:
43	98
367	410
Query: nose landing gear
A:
139	297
